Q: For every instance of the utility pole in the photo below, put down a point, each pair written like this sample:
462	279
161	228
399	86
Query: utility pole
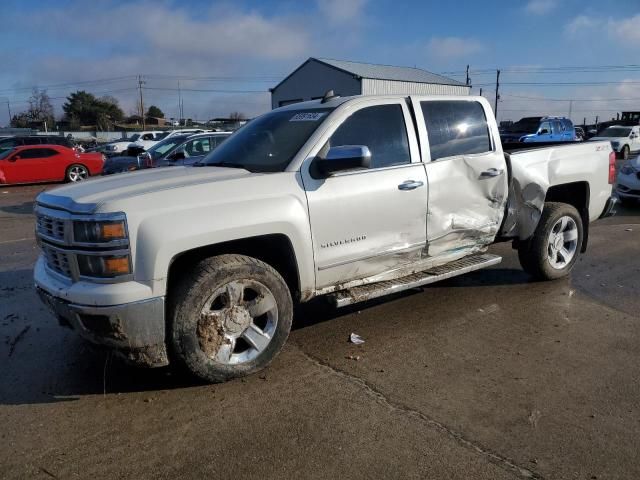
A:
480	91
570	108
596	122
180	113
495	106
9	109
468	80
140	83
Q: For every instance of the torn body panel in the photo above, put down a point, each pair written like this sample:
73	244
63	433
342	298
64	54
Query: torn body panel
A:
535	171
467	197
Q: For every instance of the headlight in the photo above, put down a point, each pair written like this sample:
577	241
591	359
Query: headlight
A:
100	231
627	169
104	266
112	148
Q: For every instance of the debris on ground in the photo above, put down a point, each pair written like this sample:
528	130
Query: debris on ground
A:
356	339
20	336
571	292
534	417
353	357
628	229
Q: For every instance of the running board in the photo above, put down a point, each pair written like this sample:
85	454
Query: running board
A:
435	274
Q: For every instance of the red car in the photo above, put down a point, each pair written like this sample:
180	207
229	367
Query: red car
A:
47	163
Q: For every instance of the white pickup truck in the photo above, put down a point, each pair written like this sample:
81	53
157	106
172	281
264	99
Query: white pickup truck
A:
352	198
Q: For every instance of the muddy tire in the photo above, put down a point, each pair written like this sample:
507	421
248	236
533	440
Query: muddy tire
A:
228	317
76	173
625	152
555	245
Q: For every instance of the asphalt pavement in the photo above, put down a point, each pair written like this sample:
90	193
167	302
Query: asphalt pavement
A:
487	376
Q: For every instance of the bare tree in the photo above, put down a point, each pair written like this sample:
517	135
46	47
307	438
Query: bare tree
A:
237	116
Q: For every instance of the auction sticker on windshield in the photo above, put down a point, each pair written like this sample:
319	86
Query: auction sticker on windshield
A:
307	117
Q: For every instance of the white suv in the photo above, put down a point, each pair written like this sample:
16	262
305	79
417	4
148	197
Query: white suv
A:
624	139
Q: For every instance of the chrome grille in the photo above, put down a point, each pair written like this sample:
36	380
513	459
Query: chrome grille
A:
57	260
50	227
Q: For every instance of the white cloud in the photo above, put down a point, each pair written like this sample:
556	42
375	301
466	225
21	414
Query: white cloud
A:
540	7
447	47
582	24
627	30
341	11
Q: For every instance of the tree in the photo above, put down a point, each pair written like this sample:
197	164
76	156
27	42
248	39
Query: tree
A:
40	110
155	112
83	108
237	116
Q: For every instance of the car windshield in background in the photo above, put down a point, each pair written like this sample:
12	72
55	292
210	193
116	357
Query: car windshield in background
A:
159	149
268	143
615	132
135	137
5	153
524	126
160	136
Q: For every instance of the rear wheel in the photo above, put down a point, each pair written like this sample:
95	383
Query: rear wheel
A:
625	152
77	173
555	245
229	317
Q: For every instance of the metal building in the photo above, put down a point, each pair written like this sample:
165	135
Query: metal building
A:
317	75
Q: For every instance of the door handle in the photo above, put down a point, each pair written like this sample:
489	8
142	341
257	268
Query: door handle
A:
410	185
492	172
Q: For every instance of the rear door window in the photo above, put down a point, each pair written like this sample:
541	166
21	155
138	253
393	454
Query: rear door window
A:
30	153
455	128
382	129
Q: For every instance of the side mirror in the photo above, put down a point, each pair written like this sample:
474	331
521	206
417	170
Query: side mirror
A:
544	131
177	156
338	159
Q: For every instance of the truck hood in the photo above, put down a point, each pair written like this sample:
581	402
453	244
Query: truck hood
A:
88	196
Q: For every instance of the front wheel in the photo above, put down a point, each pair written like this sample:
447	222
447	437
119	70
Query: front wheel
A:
229	317
77	173
555	245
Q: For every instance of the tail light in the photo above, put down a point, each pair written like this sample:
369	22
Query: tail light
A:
612	167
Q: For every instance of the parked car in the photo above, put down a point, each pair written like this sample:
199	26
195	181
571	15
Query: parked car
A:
581	135
121	146
200	266
540	129
16	141
628	182
143	144
172	151
552	129
624	140
47	163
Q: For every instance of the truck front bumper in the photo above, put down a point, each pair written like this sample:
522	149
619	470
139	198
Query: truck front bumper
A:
134	331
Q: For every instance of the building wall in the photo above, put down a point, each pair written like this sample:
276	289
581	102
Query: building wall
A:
392	87
313	80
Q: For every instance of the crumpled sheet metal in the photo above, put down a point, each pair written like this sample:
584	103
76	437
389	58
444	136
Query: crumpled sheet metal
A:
527	191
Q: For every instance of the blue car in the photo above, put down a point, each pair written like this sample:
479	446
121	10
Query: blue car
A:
552	129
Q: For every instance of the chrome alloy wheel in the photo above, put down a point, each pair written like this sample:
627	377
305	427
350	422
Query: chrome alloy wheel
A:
237	322
77	173
563	242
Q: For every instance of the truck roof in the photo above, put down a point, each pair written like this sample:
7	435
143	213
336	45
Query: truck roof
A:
338	100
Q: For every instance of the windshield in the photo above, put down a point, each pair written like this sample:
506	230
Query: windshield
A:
134	137
5	153
615	132
268	143
159	149
525	125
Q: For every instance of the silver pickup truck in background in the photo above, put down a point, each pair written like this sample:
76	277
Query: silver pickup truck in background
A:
353	198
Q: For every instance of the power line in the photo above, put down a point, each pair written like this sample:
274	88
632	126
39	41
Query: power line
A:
174	89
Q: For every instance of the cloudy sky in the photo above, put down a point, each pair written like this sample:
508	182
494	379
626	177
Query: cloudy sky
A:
225	55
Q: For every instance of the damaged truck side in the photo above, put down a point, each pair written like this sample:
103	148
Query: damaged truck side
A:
352	198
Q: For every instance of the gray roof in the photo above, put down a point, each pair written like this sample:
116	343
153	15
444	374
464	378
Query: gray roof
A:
389	72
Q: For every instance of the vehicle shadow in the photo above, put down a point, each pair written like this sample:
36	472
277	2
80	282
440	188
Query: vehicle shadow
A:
46	363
